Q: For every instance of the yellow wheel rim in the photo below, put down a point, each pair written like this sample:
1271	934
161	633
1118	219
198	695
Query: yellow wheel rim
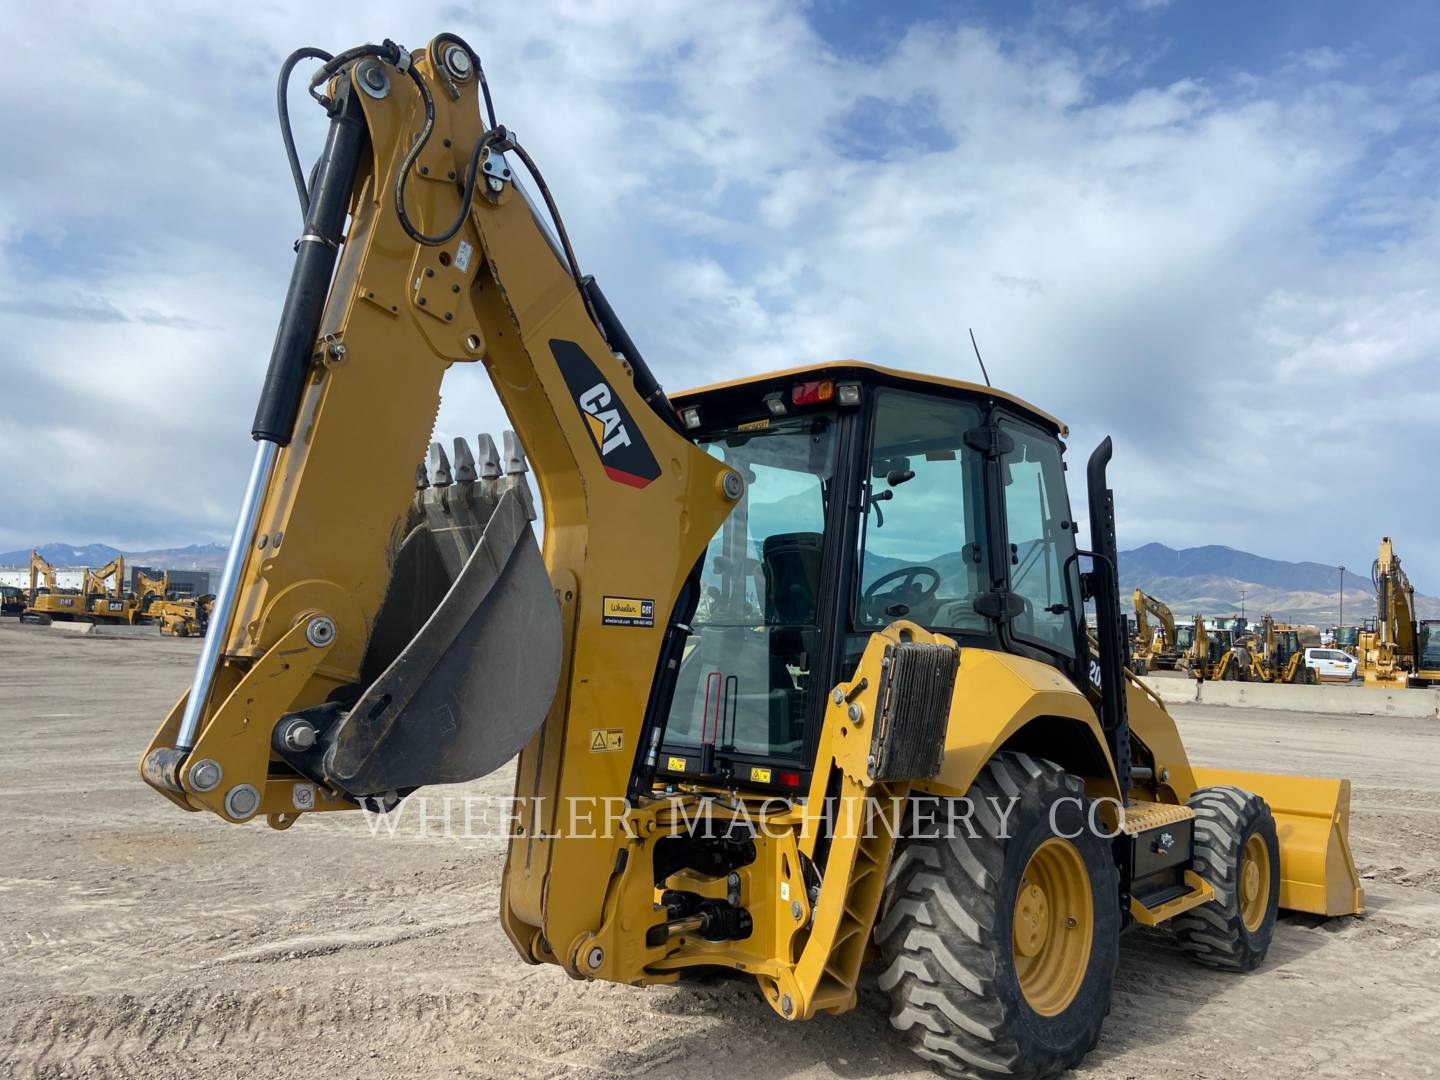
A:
1053	927
1254	882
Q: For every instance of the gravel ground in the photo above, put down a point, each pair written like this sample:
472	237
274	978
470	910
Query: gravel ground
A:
135	940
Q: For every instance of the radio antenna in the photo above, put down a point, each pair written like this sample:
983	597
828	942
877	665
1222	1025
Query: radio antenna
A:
978	357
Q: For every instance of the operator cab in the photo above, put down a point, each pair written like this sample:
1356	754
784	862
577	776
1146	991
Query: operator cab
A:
871	495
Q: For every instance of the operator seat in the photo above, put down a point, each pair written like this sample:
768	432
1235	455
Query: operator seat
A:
790	563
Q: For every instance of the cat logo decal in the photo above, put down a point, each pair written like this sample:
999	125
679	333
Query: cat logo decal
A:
618	441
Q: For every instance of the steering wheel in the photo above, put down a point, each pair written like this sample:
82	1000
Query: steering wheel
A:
912	593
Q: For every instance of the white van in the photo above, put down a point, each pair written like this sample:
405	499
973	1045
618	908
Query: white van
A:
1331	665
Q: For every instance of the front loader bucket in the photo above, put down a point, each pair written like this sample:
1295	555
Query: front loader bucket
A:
464	657
1312	818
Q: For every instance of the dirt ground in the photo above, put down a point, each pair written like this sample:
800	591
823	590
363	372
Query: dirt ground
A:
136	940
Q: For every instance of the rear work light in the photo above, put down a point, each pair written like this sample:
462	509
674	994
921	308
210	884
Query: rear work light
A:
775	403
690	417
812	393
848	393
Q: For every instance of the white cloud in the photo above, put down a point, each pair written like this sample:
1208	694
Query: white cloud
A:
1234	277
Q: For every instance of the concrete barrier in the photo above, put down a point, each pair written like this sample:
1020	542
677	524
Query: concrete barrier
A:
1341	700
105	629
73	627
125	630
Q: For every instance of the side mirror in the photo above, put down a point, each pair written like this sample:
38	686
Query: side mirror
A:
896	477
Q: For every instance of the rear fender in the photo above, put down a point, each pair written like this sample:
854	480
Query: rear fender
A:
1002	701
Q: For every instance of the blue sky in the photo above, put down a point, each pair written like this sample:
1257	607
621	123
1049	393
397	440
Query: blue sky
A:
1207	229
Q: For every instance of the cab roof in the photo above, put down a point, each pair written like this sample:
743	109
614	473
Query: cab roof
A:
838	368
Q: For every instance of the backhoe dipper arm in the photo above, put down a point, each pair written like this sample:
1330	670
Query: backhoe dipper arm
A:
336	669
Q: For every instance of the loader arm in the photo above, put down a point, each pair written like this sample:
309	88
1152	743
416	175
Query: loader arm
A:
323	624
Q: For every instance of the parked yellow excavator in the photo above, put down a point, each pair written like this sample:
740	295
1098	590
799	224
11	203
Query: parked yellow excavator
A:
869	729
106	600
149	590
1390	649
49	603
1156	648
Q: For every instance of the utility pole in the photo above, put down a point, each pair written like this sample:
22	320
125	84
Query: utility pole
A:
1341	620
1242	606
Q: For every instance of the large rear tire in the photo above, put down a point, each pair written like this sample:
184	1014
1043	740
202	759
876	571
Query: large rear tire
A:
1238	853
1000	946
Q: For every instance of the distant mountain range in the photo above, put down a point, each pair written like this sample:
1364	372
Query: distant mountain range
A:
1207	580
69	556
1217	580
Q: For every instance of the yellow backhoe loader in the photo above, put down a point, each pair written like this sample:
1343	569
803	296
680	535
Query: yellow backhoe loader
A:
1389	649
864	727
1278	654
1155	647
48	603
184	616
1213	654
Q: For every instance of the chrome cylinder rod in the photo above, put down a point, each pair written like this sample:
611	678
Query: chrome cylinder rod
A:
225	599
315	255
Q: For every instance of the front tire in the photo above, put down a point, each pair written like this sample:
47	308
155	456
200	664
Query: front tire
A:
1238	853
1000	942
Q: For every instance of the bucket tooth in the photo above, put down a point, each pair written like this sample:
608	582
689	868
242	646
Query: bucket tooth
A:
422	478
487	457
514	455
464	462
515	470
439	466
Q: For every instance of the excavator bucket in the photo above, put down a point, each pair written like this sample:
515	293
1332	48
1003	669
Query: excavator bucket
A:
1312	818
464	657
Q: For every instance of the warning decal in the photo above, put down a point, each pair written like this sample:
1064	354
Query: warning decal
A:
627	611
759	775
606	740
675	764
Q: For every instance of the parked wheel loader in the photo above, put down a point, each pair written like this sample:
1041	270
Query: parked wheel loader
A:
810	644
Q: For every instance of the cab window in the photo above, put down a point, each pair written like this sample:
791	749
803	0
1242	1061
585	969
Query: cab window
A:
923	547
1041	541
744	682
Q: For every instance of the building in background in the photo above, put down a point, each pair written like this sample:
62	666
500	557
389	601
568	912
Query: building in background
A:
19	576
182	582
